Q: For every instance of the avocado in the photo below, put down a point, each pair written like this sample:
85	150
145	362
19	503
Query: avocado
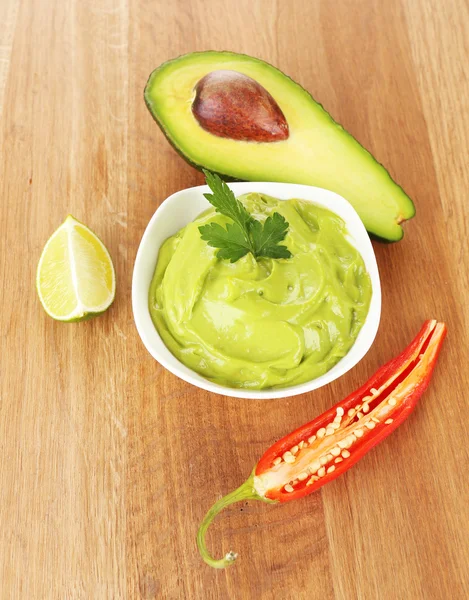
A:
244	119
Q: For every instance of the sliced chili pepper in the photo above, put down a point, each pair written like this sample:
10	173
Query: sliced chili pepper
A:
323	449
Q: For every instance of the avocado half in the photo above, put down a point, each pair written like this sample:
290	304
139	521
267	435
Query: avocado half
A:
244	119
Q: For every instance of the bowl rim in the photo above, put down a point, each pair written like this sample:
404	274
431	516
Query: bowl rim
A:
359	239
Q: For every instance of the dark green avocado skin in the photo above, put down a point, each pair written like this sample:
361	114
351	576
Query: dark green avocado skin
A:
225	176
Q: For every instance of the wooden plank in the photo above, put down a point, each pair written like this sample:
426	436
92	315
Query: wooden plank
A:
8	15
63	423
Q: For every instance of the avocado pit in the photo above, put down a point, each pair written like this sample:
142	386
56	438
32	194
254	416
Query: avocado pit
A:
231	105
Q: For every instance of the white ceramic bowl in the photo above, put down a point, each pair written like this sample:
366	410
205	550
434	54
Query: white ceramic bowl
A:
183	207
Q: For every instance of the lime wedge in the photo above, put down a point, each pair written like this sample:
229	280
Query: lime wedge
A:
75	276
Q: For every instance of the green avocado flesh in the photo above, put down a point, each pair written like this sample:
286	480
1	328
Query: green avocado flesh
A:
318	151
265	324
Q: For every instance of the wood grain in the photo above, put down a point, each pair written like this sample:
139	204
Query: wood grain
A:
107	461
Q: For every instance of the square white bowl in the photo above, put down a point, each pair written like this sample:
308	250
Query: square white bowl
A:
183	207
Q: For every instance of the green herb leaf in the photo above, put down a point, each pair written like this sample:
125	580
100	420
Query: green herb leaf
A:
225	202
267	237
231	241
245	234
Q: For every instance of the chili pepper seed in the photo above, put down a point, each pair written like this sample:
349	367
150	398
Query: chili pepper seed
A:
338	460
288	457
314	466
392	402
335	451
340	411
288	488
277	461
388	421
358	432
345	453
365	408
311	439
331	469
322	472
321	432
370	424
351	412
302	476
294	450
330	430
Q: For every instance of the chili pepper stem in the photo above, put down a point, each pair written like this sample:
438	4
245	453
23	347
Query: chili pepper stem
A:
245	491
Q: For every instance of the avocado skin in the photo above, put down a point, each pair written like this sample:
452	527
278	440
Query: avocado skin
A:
229	178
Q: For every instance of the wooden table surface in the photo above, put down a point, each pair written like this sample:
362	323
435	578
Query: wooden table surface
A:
108	462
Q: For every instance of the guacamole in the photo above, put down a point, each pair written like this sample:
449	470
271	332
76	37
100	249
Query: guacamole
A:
267	323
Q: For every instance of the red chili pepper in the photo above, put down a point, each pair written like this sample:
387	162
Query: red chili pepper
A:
323	449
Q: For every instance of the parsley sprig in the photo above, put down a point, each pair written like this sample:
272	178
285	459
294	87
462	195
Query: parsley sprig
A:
245	234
